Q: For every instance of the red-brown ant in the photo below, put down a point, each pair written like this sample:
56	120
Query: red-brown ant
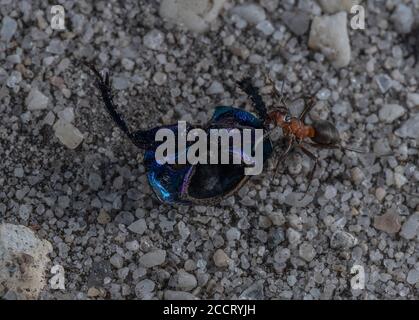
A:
320	134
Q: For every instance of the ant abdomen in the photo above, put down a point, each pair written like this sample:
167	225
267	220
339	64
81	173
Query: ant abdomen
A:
325	133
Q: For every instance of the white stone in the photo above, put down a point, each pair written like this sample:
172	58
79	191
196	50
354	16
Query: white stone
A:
329	34
36	100
154	39
410	128
413	277
251	13
195	15
413	100
265	27
66	115
333	6
23	260
68	134
410	228
215	88
391	112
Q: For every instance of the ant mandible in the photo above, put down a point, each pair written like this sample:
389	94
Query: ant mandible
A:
320	134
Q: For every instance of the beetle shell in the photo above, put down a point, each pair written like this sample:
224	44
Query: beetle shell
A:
203	184
325	133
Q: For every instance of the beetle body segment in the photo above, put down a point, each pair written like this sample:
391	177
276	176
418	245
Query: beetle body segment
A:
203	183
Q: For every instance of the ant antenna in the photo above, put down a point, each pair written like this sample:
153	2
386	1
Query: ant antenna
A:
278	95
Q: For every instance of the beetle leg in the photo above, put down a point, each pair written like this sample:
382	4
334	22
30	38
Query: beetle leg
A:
309	104
103	83
315	159
255	97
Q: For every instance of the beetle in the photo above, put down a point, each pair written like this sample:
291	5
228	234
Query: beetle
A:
204	184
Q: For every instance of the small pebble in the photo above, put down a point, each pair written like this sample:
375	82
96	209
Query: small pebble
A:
307	252
221	259
153	258
388	222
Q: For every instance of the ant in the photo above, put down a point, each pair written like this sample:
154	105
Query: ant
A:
320	134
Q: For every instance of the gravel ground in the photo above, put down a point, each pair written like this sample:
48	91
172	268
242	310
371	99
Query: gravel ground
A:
76	180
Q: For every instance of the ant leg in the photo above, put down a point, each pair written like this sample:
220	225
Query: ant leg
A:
255	97
308	106
315	159
325	146
283	156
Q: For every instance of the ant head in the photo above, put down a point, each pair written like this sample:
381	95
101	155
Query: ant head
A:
280	116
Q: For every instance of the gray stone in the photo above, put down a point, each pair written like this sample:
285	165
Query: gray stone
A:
330	192
410	128
293	236
384	82
233	234
138	227
117	261
307	252
297	21
144	290
413	277
403	18
277	218
126	218
178	295
412	100
160	78
254	292
14	79
196	15
391	112
95	181
251	13
186	281
132	245
56	46
120	83
343	240
8	28
153	258
25	211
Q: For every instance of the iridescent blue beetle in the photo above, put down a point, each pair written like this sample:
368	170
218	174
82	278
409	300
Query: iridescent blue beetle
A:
193	184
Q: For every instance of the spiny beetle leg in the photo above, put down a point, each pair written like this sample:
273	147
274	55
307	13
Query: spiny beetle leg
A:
255	97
